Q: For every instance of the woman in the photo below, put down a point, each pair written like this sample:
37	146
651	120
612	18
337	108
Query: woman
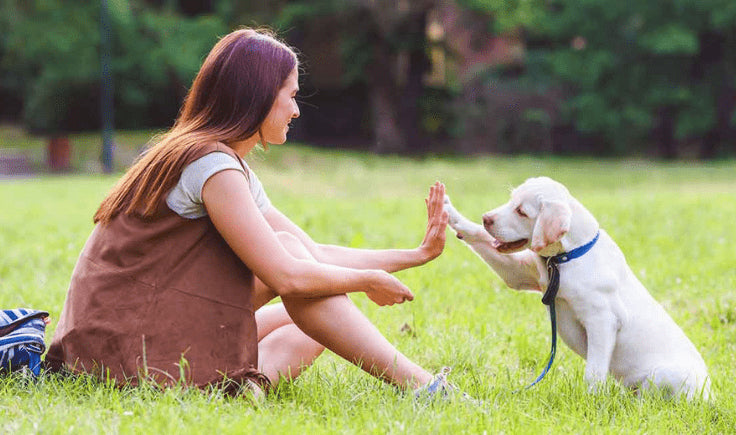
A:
172	284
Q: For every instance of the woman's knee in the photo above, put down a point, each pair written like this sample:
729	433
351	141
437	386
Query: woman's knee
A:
286	351
305	312
271	317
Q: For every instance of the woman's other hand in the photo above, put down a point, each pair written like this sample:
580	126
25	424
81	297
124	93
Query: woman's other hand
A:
387	289
434	238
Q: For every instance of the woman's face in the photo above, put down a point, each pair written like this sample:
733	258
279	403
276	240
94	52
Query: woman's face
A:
284	109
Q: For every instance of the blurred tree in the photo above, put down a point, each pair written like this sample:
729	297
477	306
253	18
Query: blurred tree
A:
383	46
661	69
157	52
630	71
10	78
50	55
496	108
51	67
509	15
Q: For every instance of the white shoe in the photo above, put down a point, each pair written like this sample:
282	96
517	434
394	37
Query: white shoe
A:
438	387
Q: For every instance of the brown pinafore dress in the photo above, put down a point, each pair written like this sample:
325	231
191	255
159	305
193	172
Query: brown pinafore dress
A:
163	299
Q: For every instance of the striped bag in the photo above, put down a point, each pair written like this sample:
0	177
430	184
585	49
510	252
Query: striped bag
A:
22	339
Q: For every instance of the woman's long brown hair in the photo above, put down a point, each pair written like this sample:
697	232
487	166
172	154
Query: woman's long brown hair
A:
228	101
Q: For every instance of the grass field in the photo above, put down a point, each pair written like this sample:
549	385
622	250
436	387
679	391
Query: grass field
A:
673	221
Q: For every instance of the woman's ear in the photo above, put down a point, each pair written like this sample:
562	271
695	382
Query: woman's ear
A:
553	222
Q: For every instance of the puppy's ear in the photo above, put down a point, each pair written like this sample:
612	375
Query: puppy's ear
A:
553	222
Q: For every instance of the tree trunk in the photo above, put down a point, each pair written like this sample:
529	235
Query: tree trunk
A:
398	29
387	134
59	154
410	115
722	132
664	133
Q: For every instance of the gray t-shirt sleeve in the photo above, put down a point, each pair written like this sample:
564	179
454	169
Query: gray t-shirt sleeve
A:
185	199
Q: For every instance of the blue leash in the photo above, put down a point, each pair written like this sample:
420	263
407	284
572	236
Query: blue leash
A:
549	299
551	293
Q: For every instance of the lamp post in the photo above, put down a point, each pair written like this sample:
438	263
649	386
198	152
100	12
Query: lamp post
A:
106	88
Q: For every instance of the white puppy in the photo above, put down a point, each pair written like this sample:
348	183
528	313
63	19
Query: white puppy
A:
604	313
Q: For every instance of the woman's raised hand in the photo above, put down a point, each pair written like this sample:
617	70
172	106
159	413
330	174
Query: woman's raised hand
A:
434	238
386	289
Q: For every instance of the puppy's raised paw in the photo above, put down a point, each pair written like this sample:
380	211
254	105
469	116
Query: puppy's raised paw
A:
465	230
453	215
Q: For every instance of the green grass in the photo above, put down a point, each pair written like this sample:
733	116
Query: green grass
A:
673	221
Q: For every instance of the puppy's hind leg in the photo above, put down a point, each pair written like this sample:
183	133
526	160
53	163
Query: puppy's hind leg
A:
676	382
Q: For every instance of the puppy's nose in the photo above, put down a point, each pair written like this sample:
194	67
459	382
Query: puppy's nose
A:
487	221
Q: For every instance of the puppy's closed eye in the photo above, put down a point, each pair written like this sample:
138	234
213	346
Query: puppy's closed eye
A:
520	212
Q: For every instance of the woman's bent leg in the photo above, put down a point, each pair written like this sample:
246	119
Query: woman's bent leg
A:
334	322
339	325
283	349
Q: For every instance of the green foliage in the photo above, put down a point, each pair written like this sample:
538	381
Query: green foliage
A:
156	56
45	60
51	56
625	61
362	26
617	65
299	13
509	15
670	39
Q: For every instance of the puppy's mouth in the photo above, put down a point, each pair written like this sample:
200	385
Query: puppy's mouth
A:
509	247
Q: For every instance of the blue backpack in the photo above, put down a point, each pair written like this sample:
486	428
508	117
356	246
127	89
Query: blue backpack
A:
22	339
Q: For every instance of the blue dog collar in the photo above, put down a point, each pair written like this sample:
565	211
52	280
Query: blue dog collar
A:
575	253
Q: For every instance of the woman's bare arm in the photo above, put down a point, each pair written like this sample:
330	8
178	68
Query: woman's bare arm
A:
234	213
390	260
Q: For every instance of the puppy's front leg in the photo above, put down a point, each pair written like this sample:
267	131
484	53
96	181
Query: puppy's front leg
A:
467	231
522	270
601	329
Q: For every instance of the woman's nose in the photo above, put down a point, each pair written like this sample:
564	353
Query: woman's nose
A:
296	112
